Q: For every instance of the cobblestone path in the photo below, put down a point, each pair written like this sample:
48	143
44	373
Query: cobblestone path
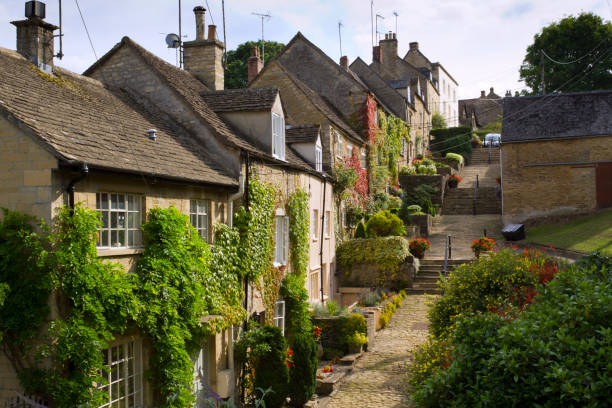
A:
378	378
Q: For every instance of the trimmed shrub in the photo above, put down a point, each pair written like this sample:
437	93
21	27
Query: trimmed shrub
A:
265	351
297	316
556	352
395	202
455	157
384	224
387	253
303	374
360	232
454	139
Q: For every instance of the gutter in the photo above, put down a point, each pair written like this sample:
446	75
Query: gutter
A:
72	185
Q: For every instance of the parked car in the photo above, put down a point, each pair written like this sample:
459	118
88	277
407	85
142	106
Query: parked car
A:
492	139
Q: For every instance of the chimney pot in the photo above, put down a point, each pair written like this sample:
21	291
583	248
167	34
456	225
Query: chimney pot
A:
344	62
212	32
492	90
35	36
35	9
414	46
200	16
482	94
394	36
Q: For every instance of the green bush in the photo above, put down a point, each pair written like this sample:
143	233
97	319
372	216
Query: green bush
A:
264	350
303	374
297	316
475	286
454	139
355	323
422	196
360	232
395	202
455	157
438	121
556	352
332	308
384	224
387	253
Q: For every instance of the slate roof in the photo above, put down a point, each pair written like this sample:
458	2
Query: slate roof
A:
324	106
557	116
302	134
79	120
233	100
485	110
391	98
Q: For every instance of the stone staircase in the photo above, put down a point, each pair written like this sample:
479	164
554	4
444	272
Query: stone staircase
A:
430	270
481	155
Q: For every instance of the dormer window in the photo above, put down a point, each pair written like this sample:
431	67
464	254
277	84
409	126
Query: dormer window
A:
278	136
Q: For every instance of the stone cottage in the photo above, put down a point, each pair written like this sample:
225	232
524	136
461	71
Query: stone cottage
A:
482	111
556	155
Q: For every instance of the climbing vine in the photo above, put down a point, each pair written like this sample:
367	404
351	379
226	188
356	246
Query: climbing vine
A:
299	227
389	143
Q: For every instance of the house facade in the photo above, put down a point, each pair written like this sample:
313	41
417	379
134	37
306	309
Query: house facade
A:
556	155
481	112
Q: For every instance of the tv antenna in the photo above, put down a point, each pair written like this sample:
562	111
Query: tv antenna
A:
377	32
396	15
263	17
372	20
340	35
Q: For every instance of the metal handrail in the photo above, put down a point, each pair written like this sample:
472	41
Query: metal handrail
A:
475	196
447	253
489	153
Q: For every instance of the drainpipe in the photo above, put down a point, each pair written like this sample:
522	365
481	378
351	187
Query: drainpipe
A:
246	279
323	235
72	185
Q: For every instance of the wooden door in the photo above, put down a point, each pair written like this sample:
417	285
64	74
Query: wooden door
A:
603	180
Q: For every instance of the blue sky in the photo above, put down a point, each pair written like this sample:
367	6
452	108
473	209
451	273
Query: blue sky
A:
480	42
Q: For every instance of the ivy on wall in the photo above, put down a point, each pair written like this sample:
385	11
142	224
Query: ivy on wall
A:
299	227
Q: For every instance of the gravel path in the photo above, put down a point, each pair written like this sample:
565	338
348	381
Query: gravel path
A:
378	378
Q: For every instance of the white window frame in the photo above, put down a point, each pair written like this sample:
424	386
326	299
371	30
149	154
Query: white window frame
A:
127	216
278	136
199	214
120	364
326	229
403	151
338	144
318	157
315	224
279	315
281	245
313	284
349	150
364	158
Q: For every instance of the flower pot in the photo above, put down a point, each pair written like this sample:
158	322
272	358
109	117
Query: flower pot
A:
419	255
354	349
477	253
453	183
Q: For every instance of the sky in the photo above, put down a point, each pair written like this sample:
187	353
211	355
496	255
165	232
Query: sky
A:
481	43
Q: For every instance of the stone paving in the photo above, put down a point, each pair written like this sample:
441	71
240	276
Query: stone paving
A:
378	378
463	229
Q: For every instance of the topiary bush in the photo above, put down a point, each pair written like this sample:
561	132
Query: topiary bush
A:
303	373
387	253
360	232
455	157
384	224
264	351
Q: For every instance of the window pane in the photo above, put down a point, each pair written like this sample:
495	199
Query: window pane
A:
104	219
131	220
113	201
137	237
104	201
202	207
104	235
113	219
121	201
130	238
121	238
120	220
201	221
194	220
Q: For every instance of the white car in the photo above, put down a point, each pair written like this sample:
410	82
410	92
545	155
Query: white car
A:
492	139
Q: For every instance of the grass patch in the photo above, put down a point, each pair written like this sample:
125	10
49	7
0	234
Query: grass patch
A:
584	234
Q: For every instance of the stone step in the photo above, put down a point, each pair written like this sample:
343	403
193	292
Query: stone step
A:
420	291
440	262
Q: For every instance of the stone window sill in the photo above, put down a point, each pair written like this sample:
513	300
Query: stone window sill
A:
119	252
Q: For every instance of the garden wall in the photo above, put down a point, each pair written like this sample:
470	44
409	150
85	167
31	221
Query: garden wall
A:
371	276
410	182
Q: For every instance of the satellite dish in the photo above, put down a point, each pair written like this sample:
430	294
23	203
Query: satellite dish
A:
173	41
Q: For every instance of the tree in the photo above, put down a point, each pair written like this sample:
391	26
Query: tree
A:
438	121
236	75
581	48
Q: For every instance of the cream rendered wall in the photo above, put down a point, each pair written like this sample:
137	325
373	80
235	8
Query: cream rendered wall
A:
448	98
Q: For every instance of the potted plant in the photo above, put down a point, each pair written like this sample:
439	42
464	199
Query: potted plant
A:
454	180
483	244
476	142
418	246
356	341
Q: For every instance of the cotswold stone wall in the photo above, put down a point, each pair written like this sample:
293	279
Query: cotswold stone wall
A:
531	192
409	183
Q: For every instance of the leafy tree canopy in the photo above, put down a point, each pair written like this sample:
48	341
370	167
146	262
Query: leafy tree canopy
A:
236	75
582	47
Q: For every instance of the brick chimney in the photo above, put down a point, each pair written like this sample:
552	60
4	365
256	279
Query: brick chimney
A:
255	63
376	55
203	57
344	62
414	46
483	94
388	49
35	36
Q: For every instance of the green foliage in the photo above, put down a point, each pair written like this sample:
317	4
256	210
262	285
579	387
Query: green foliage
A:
395	202
237	72
387	253
452	140
474	286
355	324
389	309
360	232
297	316
455	157
345	178
385	224
570	39
303	373
555	352
299	225
389	145
354	213
438	121
25	275
264	352
256	228
173	281
422	196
